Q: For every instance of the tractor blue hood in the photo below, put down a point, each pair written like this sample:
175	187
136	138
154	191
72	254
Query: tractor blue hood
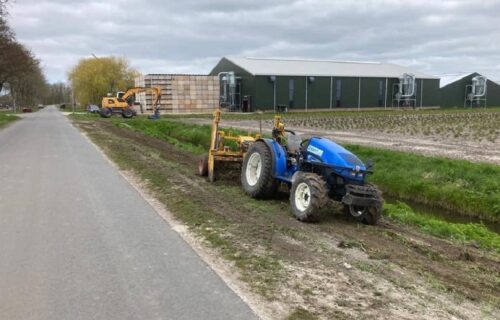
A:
328	152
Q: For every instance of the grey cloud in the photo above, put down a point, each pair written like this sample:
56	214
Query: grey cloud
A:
190	36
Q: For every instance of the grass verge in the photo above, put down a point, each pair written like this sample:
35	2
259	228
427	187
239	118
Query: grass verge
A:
283	260
6	118
469	188
457	185
455	231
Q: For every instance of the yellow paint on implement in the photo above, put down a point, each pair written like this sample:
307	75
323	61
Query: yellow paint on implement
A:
219	151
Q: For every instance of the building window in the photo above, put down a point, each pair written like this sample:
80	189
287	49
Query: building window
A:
291	93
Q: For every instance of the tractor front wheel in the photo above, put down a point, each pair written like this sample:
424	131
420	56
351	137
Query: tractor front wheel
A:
106	112
308	195
366	215
257	171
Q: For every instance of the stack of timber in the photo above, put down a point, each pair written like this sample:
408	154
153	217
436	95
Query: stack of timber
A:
181	93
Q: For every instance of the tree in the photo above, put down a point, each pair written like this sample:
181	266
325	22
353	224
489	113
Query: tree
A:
92	78
18	66
28	87
57	93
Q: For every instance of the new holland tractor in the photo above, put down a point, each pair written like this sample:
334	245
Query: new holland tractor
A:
315	169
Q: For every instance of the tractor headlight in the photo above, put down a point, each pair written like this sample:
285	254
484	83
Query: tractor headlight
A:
355	174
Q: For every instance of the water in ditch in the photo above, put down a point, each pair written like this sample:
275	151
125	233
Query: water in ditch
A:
444	214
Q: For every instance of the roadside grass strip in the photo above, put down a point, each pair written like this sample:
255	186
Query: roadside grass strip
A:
7	118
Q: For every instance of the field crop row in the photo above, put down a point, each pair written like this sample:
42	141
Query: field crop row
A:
476	126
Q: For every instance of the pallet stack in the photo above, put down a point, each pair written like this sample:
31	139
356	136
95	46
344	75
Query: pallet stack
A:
181	93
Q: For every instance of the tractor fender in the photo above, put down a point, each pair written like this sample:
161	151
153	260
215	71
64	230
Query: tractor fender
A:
278	155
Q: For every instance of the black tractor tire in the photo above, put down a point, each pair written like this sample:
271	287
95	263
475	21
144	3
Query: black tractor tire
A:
127	113
106	112
258	182
366	215
203	166
309	194
369	216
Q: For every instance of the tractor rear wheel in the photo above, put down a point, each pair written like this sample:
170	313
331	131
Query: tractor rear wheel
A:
106	112
308	195
127	113
203	166
257	171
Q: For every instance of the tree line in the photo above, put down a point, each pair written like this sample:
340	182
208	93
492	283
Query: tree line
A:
21	75
23	83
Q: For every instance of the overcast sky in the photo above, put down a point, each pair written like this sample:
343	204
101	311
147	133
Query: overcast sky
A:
190	36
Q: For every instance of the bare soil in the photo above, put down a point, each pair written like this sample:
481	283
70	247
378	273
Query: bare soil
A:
334	269
471	150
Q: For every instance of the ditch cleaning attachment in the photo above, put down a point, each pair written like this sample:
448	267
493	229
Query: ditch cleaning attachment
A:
220	151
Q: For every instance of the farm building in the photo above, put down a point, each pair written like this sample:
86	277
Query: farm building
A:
180	92
466	90
249	84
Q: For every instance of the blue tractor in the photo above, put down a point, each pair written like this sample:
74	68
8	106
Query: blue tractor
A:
316	170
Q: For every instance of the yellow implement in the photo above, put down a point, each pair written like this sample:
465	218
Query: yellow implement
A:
220	152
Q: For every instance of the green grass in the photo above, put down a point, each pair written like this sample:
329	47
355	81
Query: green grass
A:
301	314
455	231
469	188
189	137
5	119
461	186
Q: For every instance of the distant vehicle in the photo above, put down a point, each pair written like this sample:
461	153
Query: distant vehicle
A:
41	106
27	109
62	106
92	108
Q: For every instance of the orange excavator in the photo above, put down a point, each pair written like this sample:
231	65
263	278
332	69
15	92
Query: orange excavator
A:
123	103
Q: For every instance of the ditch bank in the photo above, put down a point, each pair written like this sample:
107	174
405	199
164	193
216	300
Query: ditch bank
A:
332	269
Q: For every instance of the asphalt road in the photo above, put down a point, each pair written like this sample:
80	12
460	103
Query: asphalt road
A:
78	242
